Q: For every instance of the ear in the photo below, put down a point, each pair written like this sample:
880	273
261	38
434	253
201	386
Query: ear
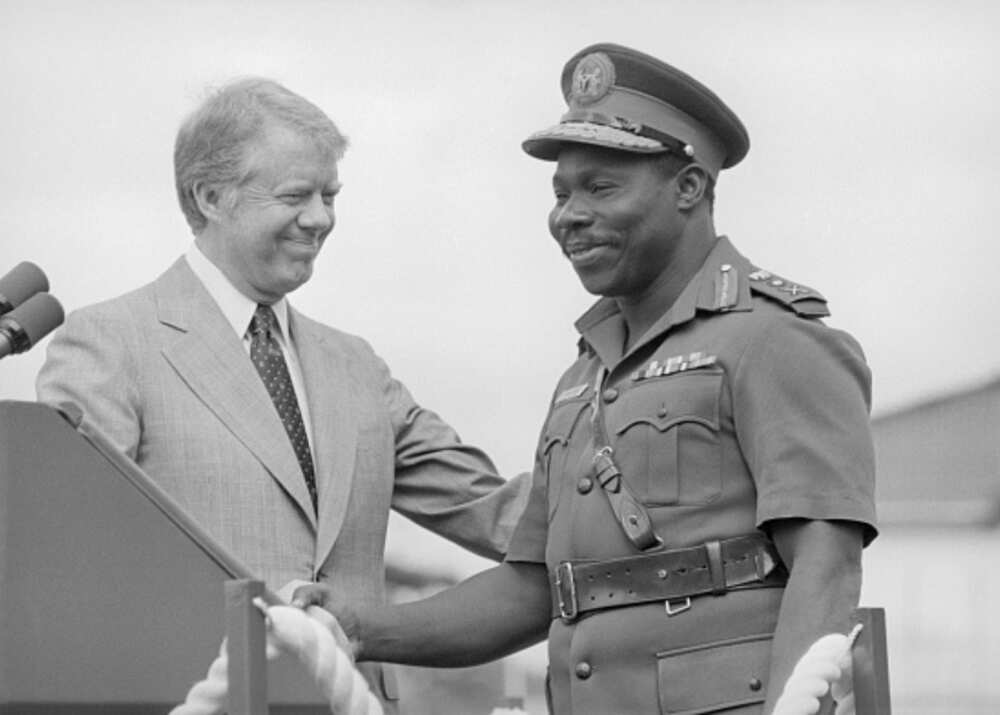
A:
210	200
692	183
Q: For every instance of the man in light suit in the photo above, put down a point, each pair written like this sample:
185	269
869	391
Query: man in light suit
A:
287	439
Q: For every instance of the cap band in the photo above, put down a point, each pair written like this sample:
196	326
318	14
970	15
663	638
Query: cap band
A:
648	111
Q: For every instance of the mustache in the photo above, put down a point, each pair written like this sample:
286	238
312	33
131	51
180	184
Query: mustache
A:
571	242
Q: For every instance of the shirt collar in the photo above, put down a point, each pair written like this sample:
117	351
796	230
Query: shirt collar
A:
235	306
720	285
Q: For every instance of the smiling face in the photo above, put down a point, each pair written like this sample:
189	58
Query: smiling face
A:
265	234
616	219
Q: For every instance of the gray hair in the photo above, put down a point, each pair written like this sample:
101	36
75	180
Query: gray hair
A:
212	142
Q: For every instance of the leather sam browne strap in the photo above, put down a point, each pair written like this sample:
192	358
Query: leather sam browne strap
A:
629	511
715	567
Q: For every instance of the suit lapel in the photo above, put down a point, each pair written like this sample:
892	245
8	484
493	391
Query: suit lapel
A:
210	359
332	405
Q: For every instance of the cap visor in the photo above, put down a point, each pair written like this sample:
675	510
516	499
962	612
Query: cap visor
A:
547	143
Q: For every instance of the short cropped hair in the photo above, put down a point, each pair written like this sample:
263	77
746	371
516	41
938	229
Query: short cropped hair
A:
213	141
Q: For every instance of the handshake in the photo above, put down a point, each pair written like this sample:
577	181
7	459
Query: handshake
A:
341	620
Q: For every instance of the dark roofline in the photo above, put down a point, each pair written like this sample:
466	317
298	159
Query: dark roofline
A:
938	400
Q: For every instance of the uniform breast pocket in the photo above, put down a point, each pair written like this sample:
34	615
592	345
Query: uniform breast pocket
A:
668	443
560	436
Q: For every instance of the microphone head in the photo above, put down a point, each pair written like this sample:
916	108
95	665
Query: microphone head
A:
36	317
21	282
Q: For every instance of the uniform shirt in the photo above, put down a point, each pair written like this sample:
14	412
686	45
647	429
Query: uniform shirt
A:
738	407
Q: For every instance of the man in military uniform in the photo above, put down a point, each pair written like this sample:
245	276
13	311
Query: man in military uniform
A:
703	484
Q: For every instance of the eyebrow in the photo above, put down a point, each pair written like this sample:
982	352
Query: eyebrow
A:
588	173
296	184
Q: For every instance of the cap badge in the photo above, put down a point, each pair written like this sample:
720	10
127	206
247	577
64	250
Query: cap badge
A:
592	79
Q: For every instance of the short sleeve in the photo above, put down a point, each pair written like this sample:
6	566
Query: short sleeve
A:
530	536
801	396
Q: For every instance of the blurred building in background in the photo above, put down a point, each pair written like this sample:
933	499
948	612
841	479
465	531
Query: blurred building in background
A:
936	565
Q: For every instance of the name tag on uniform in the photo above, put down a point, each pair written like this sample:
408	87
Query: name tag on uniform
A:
571	393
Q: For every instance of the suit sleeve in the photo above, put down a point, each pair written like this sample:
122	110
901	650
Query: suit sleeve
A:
448	487
88	365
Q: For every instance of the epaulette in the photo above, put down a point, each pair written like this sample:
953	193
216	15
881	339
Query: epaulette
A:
796	297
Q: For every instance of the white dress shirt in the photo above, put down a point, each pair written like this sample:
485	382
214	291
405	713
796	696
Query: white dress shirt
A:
238	310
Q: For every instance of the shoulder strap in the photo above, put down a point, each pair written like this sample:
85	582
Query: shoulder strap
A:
800	299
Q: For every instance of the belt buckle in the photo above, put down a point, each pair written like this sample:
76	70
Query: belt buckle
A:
567	597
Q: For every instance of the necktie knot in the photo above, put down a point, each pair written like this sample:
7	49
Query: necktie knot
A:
264	322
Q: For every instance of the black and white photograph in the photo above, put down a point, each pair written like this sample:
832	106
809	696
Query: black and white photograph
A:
443	357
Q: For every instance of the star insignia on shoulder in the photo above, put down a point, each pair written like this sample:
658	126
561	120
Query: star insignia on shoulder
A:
801	299
762	276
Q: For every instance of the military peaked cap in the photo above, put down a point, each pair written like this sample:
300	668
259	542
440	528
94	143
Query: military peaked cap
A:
627	100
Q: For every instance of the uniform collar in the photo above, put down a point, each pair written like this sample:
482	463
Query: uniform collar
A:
237	308
721	285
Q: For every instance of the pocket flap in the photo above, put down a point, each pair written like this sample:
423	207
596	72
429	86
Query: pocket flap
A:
714	677
685	397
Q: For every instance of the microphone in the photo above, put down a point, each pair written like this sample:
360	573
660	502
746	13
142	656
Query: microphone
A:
28	323
21	282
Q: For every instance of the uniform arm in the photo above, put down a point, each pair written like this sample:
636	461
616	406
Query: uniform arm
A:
802	395
824	562
488	616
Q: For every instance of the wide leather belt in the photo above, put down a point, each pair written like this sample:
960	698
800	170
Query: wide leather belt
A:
714	567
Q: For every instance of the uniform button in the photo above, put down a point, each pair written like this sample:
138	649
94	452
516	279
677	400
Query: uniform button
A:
610	395
583	670
662	412
584	485
755	684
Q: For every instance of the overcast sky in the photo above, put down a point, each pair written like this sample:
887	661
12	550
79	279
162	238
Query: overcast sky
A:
872	174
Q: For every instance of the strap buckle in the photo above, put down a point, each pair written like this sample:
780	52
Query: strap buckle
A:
683	604
566	591
606	471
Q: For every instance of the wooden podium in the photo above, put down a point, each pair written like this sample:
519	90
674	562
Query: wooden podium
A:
112	599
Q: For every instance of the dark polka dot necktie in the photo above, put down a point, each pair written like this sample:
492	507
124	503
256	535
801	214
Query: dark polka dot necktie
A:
265	353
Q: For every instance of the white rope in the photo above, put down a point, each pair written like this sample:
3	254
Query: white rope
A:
310	641
208	696
825	667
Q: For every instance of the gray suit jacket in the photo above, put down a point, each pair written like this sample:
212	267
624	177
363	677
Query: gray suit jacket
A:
161	372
